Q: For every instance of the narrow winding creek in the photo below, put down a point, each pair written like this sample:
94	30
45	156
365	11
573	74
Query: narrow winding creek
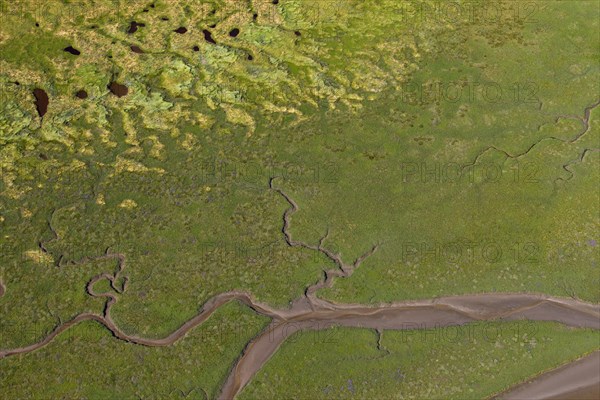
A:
312	313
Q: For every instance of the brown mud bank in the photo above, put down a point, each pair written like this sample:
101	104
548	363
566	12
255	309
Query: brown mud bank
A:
314	314
309	313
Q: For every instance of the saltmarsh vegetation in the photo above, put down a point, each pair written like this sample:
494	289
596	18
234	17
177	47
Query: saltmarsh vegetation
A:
445	363
455	142
88	362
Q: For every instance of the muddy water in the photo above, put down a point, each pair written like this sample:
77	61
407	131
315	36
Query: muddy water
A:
311	315
589	393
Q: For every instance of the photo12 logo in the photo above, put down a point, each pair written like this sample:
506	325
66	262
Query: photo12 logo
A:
239	252
56	12
465	251
251	173
415	12
490	332
426	172
239	328
25	255
322	12
19	333
249	255
321	332
466	91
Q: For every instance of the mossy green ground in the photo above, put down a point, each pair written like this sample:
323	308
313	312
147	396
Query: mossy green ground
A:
175	174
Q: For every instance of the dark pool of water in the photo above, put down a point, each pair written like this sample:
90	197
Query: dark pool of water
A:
208	36
41	101
117	89
133	26
72	50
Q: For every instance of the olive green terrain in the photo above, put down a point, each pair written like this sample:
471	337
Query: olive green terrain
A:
465	146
